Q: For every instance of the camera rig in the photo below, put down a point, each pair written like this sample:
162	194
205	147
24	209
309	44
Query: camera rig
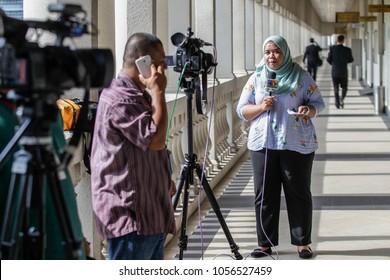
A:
192	62
189	52
35	77
26	67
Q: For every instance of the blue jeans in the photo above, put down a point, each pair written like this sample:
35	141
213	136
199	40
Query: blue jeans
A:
137	247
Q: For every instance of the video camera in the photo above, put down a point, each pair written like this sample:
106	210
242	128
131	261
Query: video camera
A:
188	51
191	61
26	67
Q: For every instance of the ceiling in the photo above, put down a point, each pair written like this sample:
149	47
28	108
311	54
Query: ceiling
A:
327	9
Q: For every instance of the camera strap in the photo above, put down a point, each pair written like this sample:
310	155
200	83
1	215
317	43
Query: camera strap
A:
201	95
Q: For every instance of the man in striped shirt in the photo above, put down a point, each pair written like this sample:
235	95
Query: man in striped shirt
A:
131	184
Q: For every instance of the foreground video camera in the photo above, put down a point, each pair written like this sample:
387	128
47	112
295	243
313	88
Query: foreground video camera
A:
33	78
26	67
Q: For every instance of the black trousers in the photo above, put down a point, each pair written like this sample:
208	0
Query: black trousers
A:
291	170
312	69
337	83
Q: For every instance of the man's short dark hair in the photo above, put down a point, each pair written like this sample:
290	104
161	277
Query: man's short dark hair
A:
311	40
340	38
139	44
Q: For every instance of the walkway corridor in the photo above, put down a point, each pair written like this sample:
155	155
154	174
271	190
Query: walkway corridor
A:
350	187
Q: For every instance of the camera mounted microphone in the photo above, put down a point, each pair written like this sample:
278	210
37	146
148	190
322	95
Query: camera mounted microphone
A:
271	84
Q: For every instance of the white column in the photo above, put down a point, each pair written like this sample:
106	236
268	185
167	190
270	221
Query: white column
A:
131	17
266	21
249	35
204	11
140	16
121	33
239	37
272	21
258	32
204	20
36	10
178	21
106	25
161	19
224	38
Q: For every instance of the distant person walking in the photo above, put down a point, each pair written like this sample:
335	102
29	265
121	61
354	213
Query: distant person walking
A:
339	56
312	54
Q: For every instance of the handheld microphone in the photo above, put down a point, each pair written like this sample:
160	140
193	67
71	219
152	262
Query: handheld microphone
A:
271	84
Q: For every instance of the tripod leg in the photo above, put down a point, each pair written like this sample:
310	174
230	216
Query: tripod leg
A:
15	230
34	240
214	204
19	237
12	222
186	179
72	245
180	184
6	152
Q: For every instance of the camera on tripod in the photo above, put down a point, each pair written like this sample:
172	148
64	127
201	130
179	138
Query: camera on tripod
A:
26	67
189	52
192	62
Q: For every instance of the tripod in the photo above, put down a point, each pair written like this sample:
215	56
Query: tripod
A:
22	234
186	178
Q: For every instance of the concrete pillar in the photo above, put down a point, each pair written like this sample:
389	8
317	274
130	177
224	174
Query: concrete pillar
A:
224	38
266	22
36	10
106	25
204	20
239	37
131	17
258	32
178	21
204	11
249	35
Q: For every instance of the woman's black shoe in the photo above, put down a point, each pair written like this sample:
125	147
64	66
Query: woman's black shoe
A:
305	253
259	253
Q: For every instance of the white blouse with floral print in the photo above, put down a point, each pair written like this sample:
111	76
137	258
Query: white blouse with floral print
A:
286	131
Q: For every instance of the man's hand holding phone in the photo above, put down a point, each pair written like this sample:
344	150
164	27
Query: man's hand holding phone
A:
152	76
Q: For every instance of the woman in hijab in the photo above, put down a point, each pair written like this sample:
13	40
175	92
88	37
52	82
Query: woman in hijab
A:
282	141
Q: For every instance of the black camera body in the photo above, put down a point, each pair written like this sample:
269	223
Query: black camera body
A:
26	67
30	68
189	56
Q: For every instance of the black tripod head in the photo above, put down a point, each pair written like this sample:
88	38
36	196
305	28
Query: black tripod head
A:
190	86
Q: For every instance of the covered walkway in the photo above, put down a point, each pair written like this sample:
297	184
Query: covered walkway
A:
350	187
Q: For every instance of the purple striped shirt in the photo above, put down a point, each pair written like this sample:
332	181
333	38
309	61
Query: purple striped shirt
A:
130	183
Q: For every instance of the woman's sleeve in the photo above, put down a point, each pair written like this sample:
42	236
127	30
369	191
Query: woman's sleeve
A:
313	94
247	96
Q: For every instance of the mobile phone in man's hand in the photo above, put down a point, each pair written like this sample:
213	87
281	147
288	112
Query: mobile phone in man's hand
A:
143	64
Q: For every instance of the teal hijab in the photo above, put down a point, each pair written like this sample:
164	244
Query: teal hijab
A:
288	75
